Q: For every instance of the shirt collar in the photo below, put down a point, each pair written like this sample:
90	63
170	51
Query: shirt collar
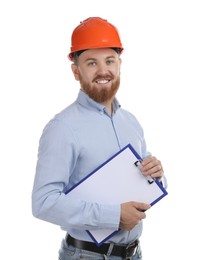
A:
86	101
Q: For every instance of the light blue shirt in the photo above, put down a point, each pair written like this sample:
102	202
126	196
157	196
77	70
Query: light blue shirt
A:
74	143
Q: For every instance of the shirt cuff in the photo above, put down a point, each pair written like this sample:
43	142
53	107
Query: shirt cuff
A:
164	182
110	217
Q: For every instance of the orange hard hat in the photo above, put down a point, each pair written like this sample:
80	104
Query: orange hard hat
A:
93	33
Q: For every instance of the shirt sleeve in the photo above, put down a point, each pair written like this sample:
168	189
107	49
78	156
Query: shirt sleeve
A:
57	156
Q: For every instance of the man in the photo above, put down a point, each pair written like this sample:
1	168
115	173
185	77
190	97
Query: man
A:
79	139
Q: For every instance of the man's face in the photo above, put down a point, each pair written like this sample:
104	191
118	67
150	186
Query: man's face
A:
98	71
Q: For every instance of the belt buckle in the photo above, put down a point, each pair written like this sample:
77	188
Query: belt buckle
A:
130	251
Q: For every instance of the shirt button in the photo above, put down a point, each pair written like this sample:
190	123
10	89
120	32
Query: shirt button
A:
101	112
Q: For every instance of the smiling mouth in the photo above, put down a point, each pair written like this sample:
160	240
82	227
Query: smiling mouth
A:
103	81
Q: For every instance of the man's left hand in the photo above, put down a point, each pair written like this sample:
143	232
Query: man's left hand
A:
152	166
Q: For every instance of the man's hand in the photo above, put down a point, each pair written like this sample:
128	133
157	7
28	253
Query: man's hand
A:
152	166
131	214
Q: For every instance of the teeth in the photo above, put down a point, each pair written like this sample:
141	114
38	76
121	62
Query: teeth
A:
102	81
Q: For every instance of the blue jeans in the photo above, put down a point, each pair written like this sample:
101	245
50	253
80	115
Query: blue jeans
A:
72	253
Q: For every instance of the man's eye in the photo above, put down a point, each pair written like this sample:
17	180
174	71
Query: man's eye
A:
92	63
110	62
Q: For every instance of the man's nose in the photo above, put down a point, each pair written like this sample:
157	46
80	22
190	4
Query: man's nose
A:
102	69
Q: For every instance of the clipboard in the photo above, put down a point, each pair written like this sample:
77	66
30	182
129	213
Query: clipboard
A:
122	181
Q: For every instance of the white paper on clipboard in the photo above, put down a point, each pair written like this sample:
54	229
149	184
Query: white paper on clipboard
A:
121	181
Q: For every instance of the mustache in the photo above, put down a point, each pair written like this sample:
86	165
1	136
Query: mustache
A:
104	76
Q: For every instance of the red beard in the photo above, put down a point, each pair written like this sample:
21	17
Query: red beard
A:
100	95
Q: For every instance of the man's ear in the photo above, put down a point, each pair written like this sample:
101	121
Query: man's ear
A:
75	71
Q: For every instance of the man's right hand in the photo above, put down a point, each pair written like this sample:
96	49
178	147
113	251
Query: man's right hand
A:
131	214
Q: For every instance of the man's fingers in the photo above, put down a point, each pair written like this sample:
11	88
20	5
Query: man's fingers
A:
141	206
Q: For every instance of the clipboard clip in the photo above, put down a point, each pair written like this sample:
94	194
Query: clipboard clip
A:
138	164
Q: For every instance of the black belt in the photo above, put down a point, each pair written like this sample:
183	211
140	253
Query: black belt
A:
122	251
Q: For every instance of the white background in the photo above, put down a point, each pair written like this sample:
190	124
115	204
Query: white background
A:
159	79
